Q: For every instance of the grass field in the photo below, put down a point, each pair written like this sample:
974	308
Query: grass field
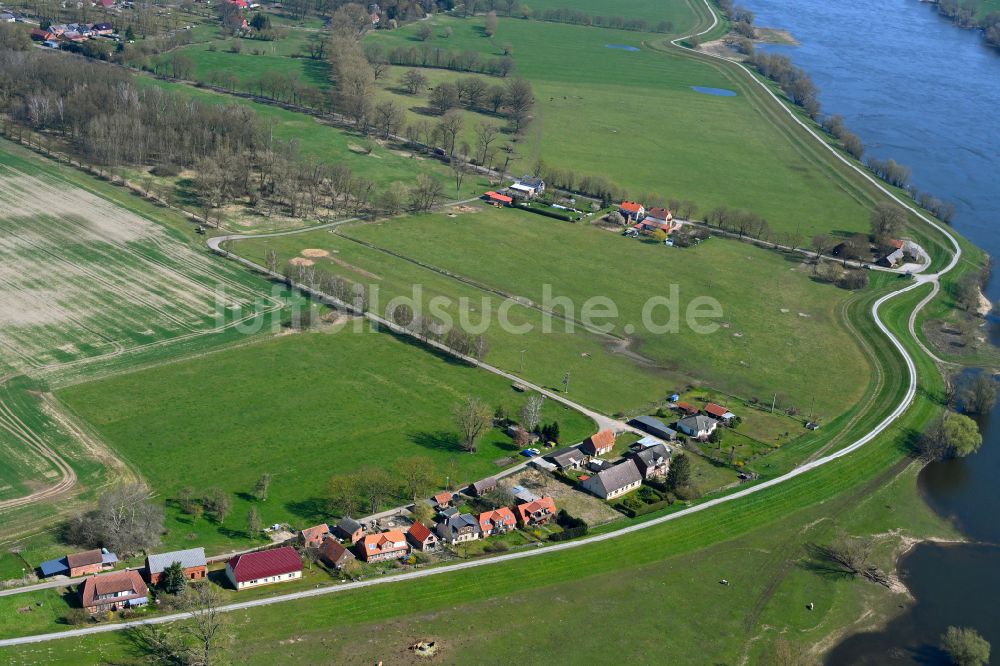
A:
774	316
301	407
681	13
759	548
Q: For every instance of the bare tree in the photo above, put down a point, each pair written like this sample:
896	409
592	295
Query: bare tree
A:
472	417
376	485
486	134
125	521
263	484
209	628
344	494
531	412
414	82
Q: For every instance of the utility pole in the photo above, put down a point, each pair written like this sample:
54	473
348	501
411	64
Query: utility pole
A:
566	383
774	400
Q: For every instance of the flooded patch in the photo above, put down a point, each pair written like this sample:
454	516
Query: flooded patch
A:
718	92
621	47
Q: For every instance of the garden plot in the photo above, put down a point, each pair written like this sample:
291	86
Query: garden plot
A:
81	278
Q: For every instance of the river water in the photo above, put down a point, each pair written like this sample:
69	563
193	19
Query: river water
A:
919	90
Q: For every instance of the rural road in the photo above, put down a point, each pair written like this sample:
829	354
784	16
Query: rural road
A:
603	422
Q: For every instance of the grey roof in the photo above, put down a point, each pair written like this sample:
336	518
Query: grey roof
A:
698	422
484	485
347	526
650	456
653	426
614	478
453	524
192	557
566	456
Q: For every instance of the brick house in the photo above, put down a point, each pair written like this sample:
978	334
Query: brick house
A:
498	521
421	537
383	546
113	591
334	553
263	567
536	512
599	444
312	537
191	560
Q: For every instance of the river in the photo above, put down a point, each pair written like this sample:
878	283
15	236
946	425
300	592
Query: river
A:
919	90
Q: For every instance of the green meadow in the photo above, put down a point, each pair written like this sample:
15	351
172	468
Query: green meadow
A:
683	15
778	329
303	408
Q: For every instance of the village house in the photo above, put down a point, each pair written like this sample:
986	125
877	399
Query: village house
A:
498	521
649	226
570	457
632	211
7	17
79	564
349	530
651	461
687	408
523	495
480	488
458	529
528	187
113	591
661	216
537	512
599	444
614	481
515	431
421	537
654	427
40	35
444	499
192	561
103	29
719	413
698	426
383	546
312	537
334	553
263	567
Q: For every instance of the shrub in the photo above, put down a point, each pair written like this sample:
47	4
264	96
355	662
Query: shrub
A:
496	547
166	170
76	617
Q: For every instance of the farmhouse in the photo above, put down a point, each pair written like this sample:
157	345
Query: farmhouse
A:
458	529
498	199
113	591
599	444
528	187
191	560
334	553
570	457
312	537
264	567
698	426
687	408
537	512
90	561
652	461
614	481
653	426
719	413
349	530
892	259
498	521
480	488
421	537
661	216
632	211
384	546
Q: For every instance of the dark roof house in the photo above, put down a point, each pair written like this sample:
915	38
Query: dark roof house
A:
569	457
651	461
334	553
614	481
480	488
653	426
348	529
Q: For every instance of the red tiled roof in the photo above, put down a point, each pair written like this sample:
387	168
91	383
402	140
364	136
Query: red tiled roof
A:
525	510
603	439
631	206
333	550
383	542
444	498
716	410
265	563
419	531
687	407
113	583
660	213
315	532
499	197
898	244
85	558
501	516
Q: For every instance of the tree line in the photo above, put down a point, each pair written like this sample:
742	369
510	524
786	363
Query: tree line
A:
578	17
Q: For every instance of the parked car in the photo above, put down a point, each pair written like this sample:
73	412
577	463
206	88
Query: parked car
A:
530	453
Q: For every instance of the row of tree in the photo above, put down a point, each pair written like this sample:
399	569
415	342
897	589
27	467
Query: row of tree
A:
792	80
578	17
442	58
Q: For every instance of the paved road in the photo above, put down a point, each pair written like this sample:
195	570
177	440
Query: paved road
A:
603	421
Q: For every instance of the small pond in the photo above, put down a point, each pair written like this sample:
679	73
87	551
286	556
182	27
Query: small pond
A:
622	47
719	92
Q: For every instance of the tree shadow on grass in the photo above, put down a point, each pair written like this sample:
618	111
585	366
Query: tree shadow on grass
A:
820	563
312	509
439	441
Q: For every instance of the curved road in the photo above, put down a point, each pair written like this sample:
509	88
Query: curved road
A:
603	421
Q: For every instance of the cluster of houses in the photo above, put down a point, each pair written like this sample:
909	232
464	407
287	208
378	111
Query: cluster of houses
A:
348	540
649	458
693	422
641	221
67	33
